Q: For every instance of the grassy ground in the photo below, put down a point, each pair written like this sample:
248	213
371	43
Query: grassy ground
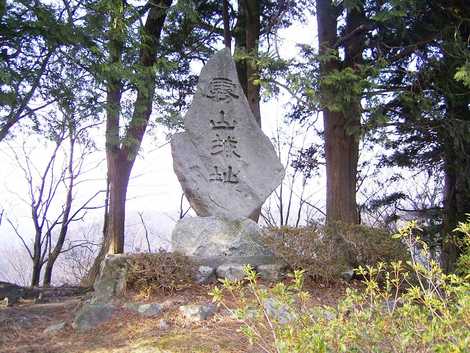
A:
22	327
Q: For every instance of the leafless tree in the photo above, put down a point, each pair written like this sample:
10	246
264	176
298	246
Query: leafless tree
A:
289	204
45	188
81	247
146	232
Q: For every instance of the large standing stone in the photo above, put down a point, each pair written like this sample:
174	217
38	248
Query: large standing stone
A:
224	162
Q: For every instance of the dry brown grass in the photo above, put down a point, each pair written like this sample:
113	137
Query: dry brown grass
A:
129	332
325	252
161	272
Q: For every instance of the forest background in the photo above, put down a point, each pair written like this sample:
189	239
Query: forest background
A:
366	100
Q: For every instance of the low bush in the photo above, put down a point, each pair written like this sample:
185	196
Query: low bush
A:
326	252
162	272
414	308
463	263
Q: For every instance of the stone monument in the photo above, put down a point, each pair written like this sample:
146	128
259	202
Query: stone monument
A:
227	168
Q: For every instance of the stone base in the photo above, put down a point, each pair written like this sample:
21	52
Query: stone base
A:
222	246
216	237
219	247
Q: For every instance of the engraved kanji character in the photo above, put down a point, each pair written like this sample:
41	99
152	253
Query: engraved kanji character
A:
221	89
222	123
230	176
227	145
216	176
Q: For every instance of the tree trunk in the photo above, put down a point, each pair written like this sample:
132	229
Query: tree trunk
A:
119	172
457	178
121	154
247	35
340	127
252	89
36	273
36	258
227	34
65	217
341	153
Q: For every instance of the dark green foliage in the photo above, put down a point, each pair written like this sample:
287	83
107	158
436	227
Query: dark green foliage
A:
29	48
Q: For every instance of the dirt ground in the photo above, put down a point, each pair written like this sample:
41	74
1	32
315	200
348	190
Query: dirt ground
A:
22	327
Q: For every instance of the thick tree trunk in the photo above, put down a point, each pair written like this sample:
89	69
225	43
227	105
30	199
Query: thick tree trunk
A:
247	35
457	181
119	171
253	25
121	154
341	153
341	127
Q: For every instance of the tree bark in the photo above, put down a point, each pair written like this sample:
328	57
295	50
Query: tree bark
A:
36	273
252	38
340	127
119	173
457	181
227	34
247	35
65	218
121	154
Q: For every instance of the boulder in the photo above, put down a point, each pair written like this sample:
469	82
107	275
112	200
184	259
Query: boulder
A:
92	315
148	309
111	282
347	275
55	328
194	312
278	311
271	272
205	274
226	165
232	272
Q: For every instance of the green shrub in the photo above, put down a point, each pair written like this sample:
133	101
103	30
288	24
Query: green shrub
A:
324	253
416	310
463	262
159	272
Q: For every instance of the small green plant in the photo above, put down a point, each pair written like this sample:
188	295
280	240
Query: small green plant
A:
463	262
405	306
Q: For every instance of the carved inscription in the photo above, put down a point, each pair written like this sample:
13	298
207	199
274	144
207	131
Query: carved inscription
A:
225	141
225	145
221	89
227	176
222	123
